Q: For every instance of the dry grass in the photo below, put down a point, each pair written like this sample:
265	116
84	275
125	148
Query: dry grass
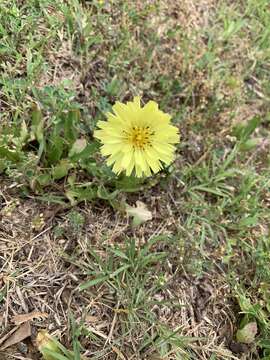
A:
45	250
38	277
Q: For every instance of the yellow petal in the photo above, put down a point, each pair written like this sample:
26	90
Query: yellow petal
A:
135	137
140	160
128	157
138	170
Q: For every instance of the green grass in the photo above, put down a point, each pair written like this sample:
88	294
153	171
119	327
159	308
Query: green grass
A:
133	277
63	65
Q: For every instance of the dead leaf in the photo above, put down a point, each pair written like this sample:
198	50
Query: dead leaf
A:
247	334
45	342
8	335
22	318
96	332
50	348
78	147
22	332
118	353
92	319
140	213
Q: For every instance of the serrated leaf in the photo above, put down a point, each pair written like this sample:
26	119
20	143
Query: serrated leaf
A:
247	334
55	148
243	130
78	194
70	129
61	170
8	154
86	153
37	124
43	179
78	146
38	129
250	144
23	133
104	194
3	165
128	184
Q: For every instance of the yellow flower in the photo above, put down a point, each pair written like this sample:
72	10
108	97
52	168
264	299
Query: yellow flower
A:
137	138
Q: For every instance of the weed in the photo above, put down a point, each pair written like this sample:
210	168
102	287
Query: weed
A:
171	296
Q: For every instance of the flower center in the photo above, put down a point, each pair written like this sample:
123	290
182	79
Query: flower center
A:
140	137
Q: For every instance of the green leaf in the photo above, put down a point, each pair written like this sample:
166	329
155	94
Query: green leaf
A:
37	124
250	144
78	146
104	194
3	165
206	189
3	293
8	154
52	349
44	179
55	148
52	355
103	278
86	153
71	121
264	343
243	130
231	27
128	184
119	253
38	129
118	271
78	194
113	87
61	170
249	221
52	199
93	282
24	133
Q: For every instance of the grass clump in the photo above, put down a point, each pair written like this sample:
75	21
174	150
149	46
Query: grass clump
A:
183	283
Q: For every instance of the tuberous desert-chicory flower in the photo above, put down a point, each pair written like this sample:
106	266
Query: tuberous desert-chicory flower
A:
137	139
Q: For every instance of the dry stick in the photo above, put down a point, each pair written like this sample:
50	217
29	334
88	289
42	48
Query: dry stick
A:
113	324
203	157
257	150
7	305
34	238
20	296
7	301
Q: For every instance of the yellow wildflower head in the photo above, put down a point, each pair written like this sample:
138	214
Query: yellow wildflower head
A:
137	138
